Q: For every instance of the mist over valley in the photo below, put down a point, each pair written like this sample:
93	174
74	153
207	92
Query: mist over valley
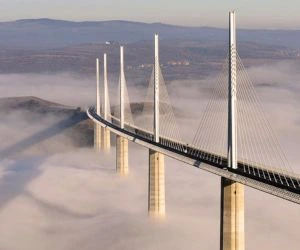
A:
57	192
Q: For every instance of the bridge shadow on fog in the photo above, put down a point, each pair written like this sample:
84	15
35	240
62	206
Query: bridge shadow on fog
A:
17	176
26	168
43	135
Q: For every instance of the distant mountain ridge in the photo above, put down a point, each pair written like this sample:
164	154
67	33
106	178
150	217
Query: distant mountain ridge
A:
47	33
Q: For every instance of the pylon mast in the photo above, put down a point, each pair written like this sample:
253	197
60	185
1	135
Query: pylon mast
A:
232	91
122	83
105	88
97	87
156	90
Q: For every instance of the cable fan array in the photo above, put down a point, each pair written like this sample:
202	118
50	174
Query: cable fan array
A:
258	149
105	100
128	117
168	129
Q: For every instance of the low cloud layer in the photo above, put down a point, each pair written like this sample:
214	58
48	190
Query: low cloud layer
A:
68	89
56	196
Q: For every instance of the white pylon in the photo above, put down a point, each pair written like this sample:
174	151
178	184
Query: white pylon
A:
97	87
232	88
122	83
122	143
105	88
156	90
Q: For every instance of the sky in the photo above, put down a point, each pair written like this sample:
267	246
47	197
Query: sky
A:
272	14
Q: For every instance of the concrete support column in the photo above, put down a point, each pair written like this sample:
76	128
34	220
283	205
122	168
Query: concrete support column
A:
232	215
122	155
156	189
105	139
97	136
105	131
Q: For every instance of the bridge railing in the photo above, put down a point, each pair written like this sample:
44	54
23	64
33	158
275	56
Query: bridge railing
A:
288	182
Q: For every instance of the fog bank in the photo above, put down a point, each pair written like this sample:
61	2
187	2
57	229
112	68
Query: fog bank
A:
56	196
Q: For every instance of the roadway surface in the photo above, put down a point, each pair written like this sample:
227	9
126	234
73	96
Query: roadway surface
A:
285	186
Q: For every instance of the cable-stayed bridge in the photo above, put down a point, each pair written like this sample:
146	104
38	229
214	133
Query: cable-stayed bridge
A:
234	139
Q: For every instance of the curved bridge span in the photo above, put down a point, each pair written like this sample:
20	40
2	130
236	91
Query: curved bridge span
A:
287	189
260	164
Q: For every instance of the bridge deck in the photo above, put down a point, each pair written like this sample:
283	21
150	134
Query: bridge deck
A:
282	185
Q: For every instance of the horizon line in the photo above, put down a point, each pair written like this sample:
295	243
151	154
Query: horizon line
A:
141	22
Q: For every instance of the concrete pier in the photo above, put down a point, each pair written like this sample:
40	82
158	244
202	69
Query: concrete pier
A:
105	139
156	192
232	215
122	143
97	136
122	155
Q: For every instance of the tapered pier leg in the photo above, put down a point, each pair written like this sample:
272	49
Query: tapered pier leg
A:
232	215
97	136
122	156
105	139
156	190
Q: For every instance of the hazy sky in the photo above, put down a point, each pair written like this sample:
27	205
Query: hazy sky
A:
251	13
